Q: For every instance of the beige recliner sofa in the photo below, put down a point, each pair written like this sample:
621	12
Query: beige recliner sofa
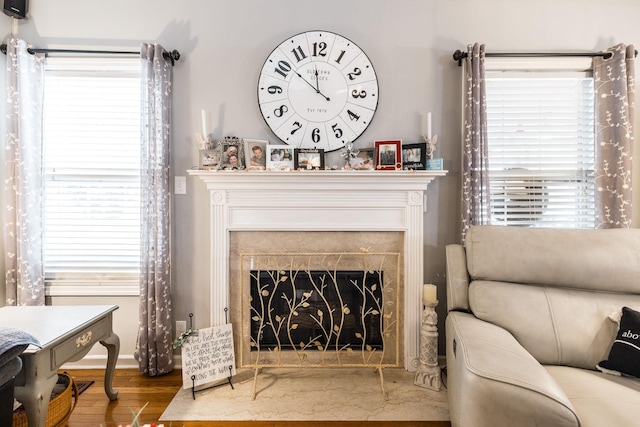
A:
531	312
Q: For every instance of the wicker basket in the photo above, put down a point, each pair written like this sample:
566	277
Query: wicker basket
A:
64	399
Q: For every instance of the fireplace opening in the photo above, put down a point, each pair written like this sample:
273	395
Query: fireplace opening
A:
316	310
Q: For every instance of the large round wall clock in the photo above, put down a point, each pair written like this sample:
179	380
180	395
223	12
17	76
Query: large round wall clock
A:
318	89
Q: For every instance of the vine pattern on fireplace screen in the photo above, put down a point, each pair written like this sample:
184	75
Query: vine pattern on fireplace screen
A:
323	309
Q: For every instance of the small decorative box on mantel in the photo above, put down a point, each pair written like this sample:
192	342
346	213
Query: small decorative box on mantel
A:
436	164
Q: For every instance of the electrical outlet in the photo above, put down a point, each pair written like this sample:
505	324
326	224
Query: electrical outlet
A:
181	327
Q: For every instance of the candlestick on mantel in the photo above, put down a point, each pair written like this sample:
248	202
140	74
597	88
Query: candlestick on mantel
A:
429	293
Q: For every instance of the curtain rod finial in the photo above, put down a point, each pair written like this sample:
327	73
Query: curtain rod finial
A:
458	55
174	55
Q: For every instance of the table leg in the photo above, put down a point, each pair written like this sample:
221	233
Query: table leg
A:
112	343
35	398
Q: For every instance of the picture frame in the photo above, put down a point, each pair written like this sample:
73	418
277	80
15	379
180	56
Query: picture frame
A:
414	156
209	159
255	153
388	154
280	157
364	160
309	158
232	153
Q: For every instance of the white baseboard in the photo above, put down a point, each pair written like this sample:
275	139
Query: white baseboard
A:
100	361
129	362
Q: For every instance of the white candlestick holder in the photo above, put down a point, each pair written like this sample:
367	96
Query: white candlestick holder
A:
428	374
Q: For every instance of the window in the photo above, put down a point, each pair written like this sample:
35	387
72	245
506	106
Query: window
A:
541	138
92	174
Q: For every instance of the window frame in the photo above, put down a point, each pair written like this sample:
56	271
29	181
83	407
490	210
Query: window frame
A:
528	67
86	283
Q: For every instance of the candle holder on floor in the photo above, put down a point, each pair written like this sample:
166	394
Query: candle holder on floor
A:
428	374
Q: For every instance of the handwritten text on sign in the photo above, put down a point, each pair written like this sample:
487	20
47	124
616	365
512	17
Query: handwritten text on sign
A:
208	356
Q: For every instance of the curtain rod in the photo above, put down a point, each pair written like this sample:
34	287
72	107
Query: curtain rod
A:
174	55
458	55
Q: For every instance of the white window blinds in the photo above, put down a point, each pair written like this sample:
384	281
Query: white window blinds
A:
92	163
541	148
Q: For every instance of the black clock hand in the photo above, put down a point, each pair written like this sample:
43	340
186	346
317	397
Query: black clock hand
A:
317	81
307	82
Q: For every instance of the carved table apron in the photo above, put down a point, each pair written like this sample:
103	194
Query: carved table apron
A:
66	334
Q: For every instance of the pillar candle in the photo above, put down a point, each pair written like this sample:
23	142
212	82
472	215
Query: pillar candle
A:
429	126
429	293
204	124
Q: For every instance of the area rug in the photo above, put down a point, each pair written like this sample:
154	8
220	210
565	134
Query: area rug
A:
285	394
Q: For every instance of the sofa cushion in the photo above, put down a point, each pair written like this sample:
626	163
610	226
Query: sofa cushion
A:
625	352
606	260
599	399
557	326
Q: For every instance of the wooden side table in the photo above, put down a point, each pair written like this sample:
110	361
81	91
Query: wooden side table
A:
66	334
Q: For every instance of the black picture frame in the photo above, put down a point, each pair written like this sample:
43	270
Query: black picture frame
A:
309	158
414	156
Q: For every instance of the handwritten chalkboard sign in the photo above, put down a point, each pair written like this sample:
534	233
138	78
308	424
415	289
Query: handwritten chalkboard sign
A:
208	356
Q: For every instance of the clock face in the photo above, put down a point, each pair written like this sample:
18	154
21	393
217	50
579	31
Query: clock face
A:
318	90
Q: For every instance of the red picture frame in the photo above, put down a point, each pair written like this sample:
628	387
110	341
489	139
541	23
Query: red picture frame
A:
389	154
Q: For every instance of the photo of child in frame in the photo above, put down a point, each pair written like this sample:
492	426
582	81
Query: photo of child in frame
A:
280	157
309	158
232	154
255	153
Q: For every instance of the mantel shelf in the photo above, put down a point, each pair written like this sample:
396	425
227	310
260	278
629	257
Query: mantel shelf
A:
355	180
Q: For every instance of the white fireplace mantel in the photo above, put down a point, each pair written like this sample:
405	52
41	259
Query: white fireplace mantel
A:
321	201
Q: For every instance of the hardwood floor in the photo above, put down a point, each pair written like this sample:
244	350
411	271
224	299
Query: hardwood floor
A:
135	390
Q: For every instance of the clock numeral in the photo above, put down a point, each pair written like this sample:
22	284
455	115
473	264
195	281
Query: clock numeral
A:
315	135
361	94
319	49
279	112
337	131
352	115
298	53
274	89
340	56
283	68
356	72
297	127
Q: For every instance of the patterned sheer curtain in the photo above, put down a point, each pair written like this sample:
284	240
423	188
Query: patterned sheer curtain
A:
615	88
154	347
475	166
23	176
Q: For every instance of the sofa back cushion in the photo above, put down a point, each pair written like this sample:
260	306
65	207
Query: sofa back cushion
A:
558	326
603	260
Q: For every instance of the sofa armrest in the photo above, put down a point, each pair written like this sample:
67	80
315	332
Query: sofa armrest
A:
457	278
492	380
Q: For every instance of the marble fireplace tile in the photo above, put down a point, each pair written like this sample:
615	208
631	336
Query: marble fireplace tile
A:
263	242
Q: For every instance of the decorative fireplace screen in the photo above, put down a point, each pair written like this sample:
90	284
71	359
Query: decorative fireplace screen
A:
316	310
321	310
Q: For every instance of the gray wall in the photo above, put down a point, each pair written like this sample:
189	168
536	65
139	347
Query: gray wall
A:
410	42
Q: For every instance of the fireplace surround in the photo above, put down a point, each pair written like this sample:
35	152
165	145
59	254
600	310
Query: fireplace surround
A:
360	202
